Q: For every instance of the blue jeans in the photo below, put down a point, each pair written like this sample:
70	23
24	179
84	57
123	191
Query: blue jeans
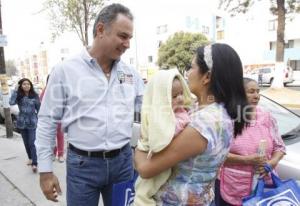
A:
28	136
87	177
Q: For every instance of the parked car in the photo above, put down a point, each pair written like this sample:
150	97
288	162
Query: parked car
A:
267	75
289	129
252	75
14	111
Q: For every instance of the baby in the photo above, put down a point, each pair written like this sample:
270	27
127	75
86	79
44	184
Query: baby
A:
164	116
181	114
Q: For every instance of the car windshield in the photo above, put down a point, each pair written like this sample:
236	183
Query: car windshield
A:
265	70
287	121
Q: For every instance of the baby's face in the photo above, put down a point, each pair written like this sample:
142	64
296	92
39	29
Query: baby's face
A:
177	95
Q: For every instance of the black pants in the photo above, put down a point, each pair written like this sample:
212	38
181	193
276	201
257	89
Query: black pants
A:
218	198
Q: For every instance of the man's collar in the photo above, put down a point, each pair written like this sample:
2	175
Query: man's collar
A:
86	56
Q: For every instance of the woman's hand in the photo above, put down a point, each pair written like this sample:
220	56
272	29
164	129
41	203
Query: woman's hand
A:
255	160
276	157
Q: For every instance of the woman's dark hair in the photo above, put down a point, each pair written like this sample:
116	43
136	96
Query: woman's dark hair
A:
247	80
227	82
32	94
47	78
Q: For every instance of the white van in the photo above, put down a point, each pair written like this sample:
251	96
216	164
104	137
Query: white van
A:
266	75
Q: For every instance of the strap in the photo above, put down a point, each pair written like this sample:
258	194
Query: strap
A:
261	182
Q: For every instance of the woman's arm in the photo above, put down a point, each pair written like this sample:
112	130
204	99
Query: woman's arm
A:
13	98
187	144
37	104
276	157
253	159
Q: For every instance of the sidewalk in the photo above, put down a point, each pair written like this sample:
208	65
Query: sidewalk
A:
19	185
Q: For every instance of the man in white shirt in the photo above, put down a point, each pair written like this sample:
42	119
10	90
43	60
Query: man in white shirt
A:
94	95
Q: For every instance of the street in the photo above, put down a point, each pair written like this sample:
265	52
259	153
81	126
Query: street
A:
296	88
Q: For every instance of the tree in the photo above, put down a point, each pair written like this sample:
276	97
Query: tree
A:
11	69
178	50
278	8
72	15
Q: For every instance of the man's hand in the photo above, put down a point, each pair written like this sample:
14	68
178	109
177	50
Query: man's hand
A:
50	186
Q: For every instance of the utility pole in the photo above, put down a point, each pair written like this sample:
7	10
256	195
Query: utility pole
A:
4	86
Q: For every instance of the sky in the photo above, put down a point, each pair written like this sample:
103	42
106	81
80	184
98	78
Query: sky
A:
26	27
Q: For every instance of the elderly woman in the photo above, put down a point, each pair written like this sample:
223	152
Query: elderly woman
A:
197	153
258	144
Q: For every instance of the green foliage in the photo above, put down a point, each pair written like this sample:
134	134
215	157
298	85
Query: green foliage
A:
72	15
178	50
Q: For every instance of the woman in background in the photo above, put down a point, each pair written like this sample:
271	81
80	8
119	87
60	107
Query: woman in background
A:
29	104
258	144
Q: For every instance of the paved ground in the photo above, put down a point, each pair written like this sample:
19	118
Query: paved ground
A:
22	185
19	186
10	195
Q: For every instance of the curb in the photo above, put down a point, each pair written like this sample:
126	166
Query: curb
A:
15	134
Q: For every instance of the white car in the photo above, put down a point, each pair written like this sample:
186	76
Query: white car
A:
14	111
266	75
289	129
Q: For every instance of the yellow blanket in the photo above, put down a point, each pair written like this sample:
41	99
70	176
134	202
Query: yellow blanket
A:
157	128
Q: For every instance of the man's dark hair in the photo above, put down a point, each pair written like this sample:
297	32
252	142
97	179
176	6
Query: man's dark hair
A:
109	13
227	82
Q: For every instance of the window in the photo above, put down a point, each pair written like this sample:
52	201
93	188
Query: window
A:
158	30
64	51
150	59
220	35
272	45
265	70
219	22
159	43
165	28
205	29
162	29
192	23
295	64
289	44
271	25
131	60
